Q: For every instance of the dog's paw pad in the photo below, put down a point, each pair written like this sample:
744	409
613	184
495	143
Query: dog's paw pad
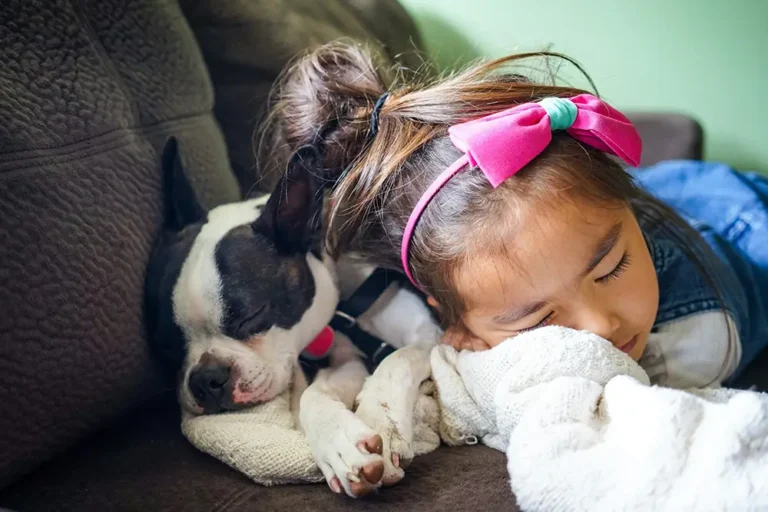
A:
373	472
366	480
361	489
371	445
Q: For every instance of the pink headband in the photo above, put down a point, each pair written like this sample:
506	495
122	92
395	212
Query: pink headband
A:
503	143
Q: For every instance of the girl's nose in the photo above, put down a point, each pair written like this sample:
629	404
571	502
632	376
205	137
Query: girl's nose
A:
599	320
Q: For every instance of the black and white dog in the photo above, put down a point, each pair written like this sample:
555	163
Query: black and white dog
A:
235	295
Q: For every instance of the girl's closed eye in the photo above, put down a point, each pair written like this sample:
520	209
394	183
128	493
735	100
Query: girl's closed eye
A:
617	271
544	322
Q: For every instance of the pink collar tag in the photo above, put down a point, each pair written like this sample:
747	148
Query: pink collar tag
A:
321	345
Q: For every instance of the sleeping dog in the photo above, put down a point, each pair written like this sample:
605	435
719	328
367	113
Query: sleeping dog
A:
238	296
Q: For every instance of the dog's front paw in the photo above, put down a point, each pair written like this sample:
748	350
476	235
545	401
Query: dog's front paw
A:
393	410
396	436
348	453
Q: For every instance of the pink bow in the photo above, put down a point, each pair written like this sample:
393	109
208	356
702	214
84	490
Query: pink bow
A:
503	143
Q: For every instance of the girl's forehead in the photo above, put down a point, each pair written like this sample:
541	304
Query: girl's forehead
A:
546	249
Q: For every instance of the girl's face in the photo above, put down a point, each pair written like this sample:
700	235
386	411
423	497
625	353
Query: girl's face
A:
576	266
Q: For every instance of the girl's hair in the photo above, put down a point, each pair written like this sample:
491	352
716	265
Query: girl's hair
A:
326	98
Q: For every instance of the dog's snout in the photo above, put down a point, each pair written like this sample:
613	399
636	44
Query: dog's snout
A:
208	384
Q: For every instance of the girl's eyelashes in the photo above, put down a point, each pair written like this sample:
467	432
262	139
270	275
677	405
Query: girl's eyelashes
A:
544	322
617	270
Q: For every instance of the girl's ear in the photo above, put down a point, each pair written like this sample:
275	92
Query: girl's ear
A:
433	303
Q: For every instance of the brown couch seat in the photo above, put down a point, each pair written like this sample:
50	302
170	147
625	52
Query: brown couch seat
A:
143	463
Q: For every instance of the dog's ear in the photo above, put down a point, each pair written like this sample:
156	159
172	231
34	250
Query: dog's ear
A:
181	204
292	216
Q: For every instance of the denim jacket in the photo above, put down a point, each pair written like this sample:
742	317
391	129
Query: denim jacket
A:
730	211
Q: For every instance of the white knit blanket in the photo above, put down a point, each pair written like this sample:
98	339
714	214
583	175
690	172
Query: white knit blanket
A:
265	443
262	442
581	427
583	430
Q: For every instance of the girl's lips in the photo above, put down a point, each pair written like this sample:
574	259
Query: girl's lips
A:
627	347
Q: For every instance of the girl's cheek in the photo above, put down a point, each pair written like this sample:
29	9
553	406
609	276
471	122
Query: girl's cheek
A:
640	292
479	345
462	339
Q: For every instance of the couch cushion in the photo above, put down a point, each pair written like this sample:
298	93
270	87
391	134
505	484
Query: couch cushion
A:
90	91
668	136
144	463
247	44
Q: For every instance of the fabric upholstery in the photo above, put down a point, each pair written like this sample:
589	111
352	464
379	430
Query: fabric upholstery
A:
144	463
247	44
668	136
90	91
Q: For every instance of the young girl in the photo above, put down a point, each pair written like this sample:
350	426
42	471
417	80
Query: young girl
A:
505	202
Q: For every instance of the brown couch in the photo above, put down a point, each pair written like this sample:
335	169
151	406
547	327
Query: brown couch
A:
88	93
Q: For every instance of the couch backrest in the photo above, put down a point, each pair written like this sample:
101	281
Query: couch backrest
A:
89	91
261	36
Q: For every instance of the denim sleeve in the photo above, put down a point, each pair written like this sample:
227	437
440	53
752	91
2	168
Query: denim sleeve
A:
729	209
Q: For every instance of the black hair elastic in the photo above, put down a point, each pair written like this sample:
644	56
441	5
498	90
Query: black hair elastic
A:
375	113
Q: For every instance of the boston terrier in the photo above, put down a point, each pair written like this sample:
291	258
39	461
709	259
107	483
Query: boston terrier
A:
240	298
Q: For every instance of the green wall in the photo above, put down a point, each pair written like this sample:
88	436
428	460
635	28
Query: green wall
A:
706	58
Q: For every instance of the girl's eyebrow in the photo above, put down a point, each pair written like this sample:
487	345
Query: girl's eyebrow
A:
604	246
512	316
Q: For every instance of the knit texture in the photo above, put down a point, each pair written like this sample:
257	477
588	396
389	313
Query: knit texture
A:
580	424
261	442
265	443
583	430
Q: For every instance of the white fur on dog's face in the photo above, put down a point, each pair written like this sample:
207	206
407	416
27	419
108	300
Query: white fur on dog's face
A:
261	366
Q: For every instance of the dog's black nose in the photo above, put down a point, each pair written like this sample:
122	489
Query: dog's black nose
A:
208	385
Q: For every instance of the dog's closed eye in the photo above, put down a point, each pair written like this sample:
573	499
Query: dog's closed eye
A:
256	323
